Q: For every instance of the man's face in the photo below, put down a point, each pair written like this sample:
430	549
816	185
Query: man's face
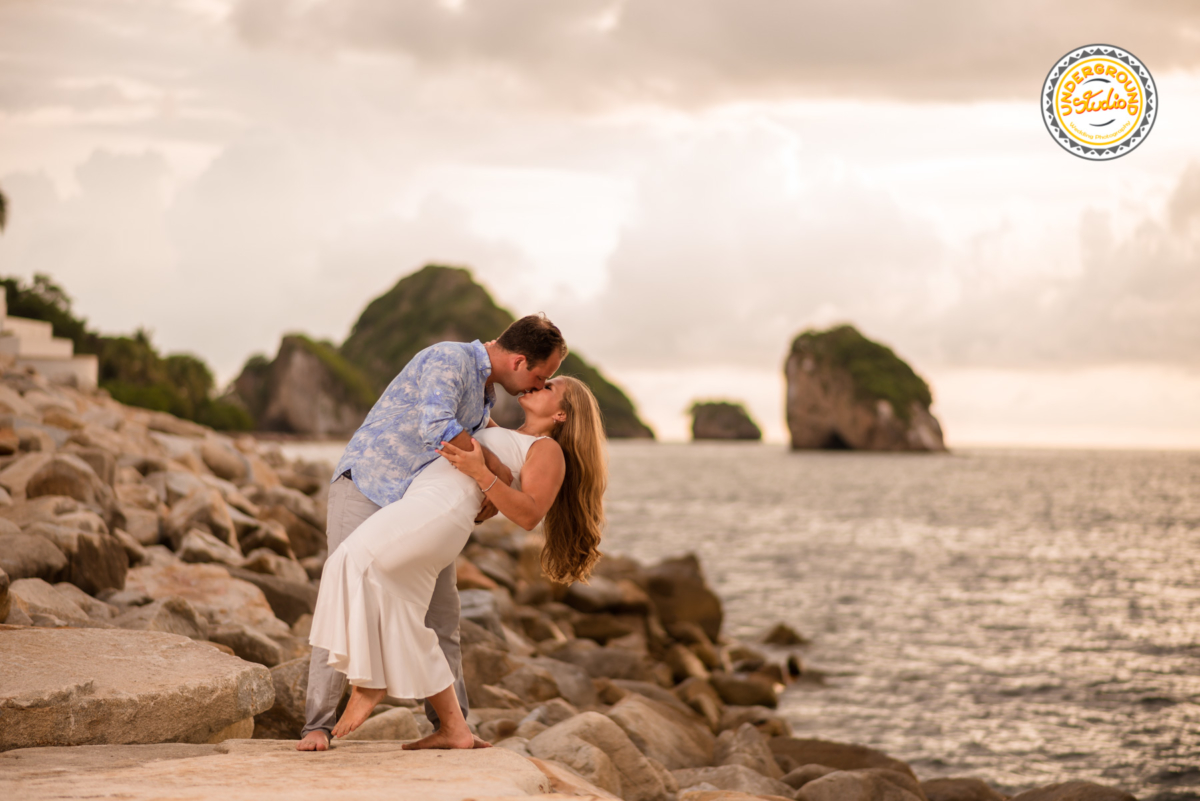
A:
526	377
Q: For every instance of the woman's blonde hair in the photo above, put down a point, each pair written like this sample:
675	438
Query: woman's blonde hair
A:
576	519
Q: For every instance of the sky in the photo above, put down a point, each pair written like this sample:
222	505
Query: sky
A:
681	187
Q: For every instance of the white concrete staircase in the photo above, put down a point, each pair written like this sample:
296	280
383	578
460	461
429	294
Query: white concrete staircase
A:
31	343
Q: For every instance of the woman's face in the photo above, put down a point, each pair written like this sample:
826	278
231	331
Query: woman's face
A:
544	402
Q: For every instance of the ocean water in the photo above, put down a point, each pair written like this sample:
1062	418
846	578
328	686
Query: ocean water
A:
1022	616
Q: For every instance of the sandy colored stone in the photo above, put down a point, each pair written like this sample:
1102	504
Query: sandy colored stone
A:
14	477
223	460
598	750
1074	791
567	782
395	724
205	509
95	561
676	739
105	686
34	596
746	746
795	752
737	778
30	556
871	784
959	789
200	547
250	770
211	590
285	718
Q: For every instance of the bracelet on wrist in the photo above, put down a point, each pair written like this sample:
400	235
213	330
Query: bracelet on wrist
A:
489	486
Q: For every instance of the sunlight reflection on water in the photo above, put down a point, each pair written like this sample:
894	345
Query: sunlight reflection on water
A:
1023	616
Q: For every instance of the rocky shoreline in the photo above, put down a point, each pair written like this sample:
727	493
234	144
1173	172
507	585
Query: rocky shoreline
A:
157	580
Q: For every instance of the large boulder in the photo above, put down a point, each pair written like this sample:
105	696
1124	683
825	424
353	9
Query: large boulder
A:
870	784
70	476
681	595
200	547
604	662
959	789
30	556
36	598
394	724
674	738
1074	791
845	391
597	749
203	509
745	746
102	686
744	689
285	718
95	561
290	600
795	752
167	615
736	778
220	597
257	770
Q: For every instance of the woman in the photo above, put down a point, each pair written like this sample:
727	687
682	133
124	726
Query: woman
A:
376	586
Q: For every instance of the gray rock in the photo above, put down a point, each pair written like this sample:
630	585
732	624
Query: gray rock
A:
531	683
205	509
805	774
736	778
248	644
94	686
94	608
597	749
30	556
551	713
680	594
200	547
168	615
67	475
794	752
481	608
604	662
869	784
5	600
1074	791
285	718
744	689
34	596
663	733
95	561
958	789
747	747
290	600
270	563
212	591
574	683
224	460
394	724
767	721
144	525
258	770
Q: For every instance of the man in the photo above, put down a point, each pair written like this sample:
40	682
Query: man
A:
445	394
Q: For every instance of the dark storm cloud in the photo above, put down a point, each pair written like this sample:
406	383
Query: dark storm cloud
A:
691	53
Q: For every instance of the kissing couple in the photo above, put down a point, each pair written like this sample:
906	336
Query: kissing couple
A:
425	466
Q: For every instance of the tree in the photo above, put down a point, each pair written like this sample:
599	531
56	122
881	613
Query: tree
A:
3	211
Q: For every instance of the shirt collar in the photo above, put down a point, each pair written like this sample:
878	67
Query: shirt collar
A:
482	360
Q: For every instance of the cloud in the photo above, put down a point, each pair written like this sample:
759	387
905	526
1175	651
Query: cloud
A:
613	52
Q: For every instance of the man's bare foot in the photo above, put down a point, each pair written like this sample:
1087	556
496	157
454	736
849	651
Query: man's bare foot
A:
362	701
445	739
316	740
480	742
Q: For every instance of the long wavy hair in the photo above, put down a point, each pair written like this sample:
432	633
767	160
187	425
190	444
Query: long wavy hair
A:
574	524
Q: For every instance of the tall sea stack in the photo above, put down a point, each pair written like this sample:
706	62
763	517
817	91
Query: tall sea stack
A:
847	392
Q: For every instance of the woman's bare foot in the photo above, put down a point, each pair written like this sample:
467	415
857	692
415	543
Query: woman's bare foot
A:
316	740
481	743
362	701
444	738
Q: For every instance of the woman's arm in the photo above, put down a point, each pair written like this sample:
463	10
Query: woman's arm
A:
541	478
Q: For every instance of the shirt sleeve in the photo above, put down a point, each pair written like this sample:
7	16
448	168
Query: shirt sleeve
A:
442	383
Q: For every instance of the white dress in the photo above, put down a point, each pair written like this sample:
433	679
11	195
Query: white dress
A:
376	586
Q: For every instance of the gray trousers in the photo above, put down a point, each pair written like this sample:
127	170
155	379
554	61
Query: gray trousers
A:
348	508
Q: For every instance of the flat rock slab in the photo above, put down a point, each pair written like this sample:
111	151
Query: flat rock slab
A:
255	770
111	686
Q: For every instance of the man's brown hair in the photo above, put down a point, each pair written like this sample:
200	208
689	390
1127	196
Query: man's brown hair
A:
535	338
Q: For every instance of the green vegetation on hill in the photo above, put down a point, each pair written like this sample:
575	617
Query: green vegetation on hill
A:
877	372
439	304
131	369
434	304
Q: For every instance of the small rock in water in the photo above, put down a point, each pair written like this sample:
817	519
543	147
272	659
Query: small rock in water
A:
782	634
